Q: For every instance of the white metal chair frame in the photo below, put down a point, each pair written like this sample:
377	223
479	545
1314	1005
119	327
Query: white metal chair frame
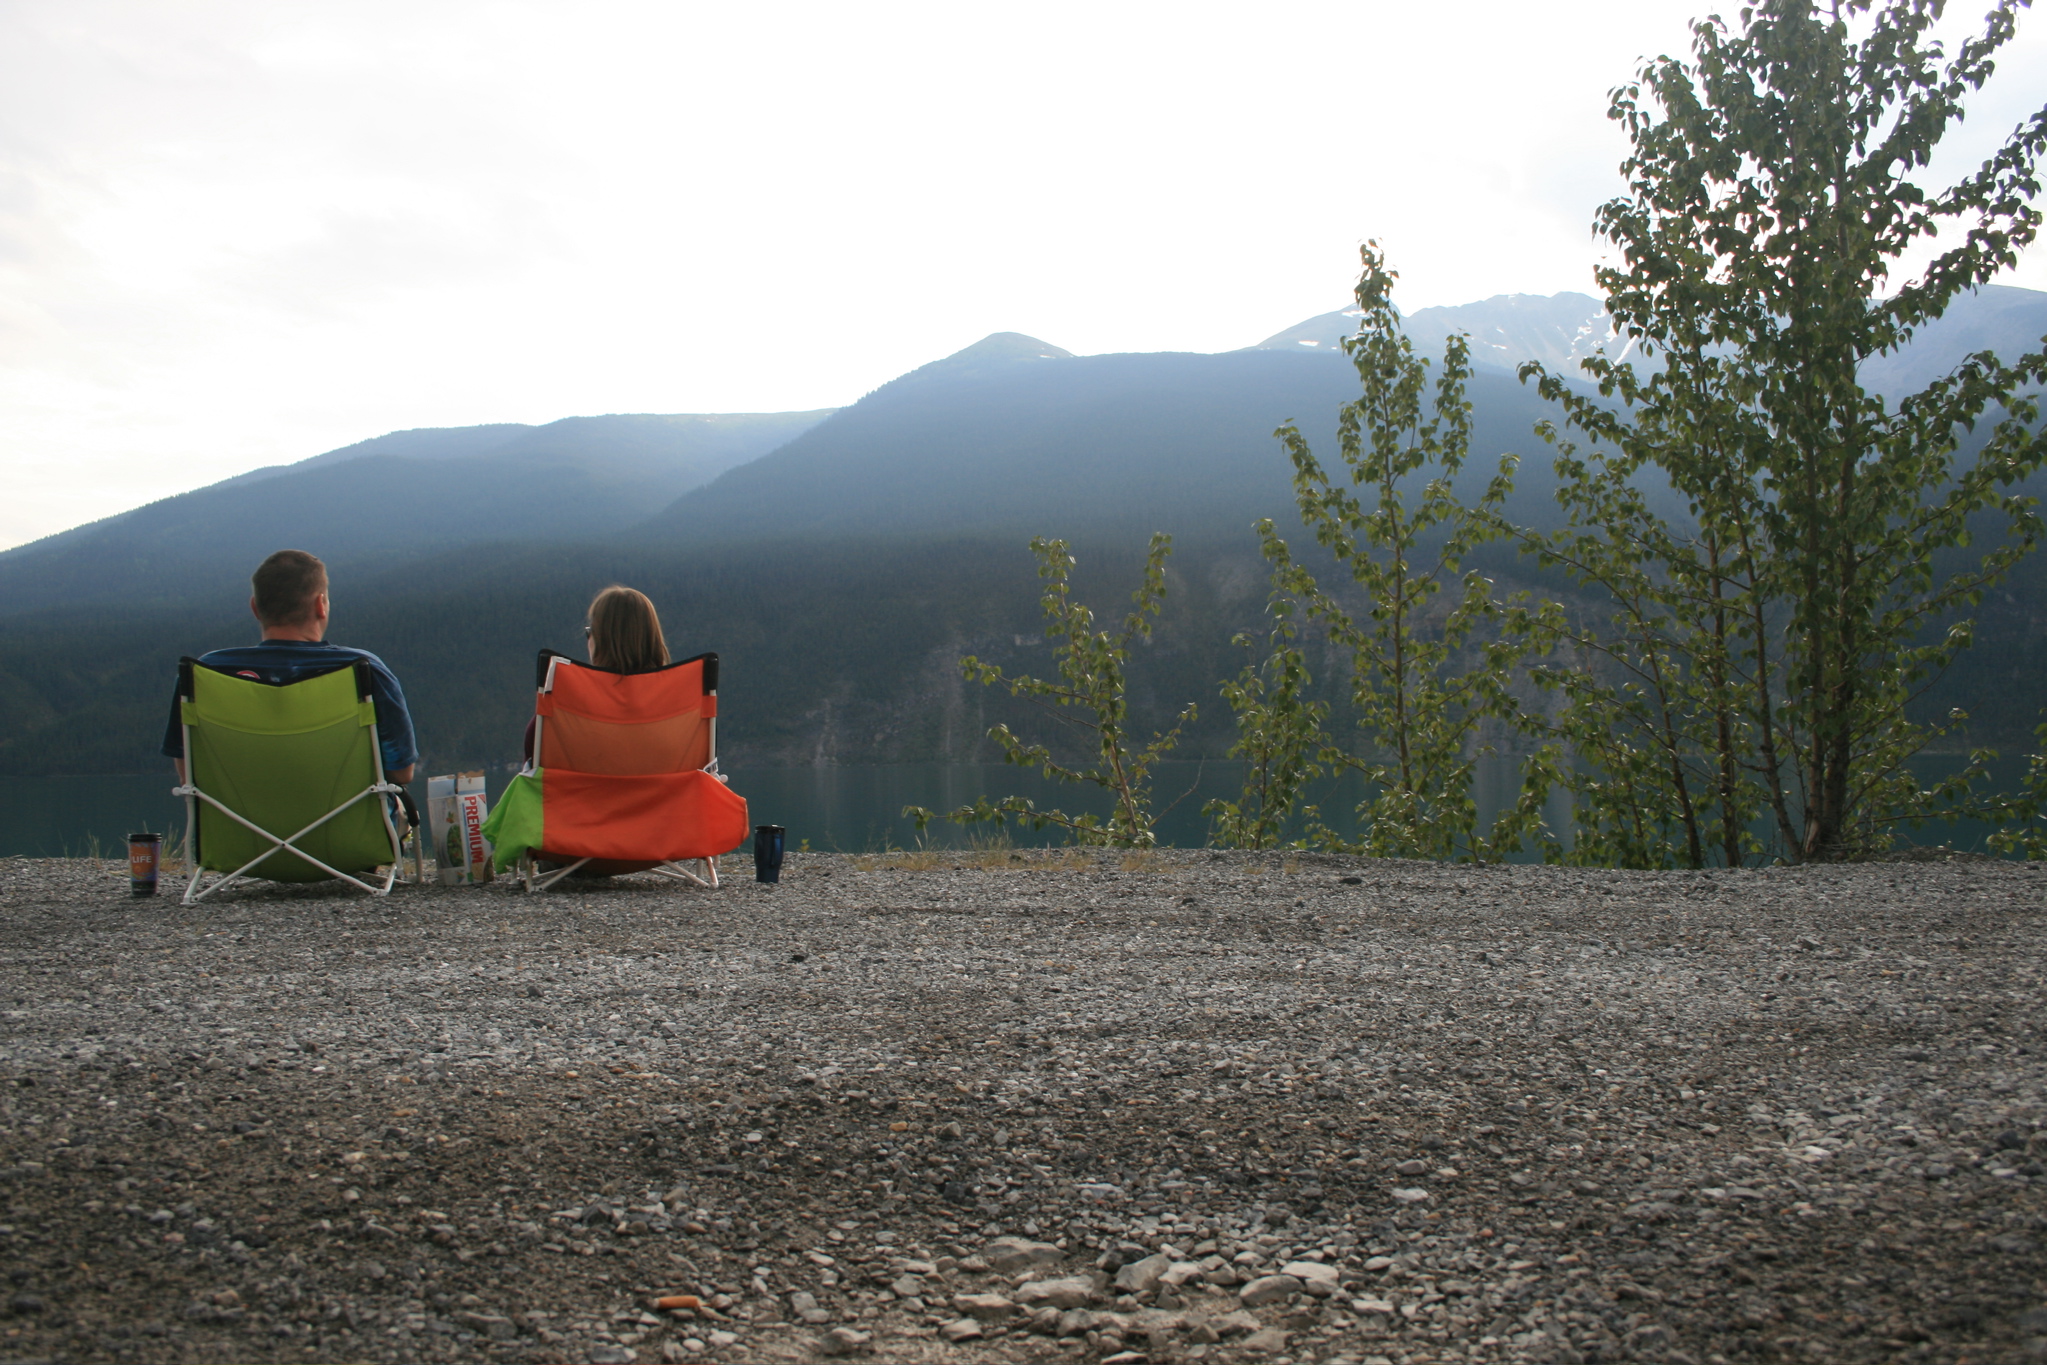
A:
196	874
537	881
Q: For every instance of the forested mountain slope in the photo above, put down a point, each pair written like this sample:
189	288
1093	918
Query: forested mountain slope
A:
407	495
1012	438
1559	330
839	562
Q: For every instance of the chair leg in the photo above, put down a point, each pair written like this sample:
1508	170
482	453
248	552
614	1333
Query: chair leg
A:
542	883
193	795
678	872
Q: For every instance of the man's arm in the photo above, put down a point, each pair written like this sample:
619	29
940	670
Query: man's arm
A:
394	725
174	737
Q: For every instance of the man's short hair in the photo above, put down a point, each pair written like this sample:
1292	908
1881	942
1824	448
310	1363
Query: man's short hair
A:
286	584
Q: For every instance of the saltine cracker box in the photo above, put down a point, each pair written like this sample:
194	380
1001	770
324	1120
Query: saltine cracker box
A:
455	808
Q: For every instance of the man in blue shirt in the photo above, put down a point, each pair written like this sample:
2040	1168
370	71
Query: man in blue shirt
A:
290	603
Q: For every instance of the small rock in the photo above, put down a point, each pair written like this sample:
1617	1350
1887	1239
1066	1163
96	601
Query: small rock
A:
907	1286
488	1324
1069	1292
723	1338
1235	1324
842	1341
1121	1254
965	1329
1264	1341
1010	1255
605	1353
985	1307
1411	1168
803	1304
1409	1196
1142	1277
1074	1321
1268	1289
1649	1336
1317	1280
23	1305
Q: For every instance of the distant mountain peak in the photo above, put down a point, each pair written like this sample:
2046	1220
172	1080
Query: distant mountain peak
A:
1506	329
992	353
1323	332
1008	346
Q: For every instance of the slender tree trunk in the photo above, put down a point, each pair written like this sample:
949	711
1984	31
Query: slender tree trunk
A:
1723	719
1673	750
1765	707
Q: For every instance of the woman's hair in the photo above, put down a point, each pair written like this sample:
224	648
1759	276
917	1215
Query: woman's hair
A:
625	632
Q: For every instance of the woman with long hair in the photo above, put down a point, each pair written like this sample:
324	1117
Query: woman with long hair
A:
624	632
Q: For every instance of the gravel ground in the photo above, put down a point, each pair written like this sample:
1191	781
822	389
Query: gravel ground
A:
1155	1107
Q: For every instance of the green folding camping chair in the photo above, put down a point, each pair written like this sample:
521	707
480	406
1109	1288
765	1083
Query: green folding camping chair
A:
285	783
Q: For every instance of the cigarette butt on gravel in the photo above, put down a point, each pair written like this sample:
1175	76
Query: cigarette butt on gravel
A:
671	1301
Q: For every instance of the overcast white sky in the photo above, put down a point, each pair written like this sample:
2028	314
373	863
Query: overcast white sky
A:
240	233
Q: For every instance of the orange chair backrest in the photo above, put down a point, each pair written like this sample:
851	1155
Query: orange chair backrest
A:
626	724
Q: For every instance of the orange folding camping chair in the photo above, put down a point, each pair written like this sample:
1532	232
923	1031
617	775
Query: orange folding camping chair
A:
624	777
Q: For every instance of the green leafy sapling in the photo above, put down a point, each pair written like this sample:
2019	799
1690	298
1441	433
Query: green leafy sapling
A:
2020	817
1090	694
1770	647
1279	734
1426	676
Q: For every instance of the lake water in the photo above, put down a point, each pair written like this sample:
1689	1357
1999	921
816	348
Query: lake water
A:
844	809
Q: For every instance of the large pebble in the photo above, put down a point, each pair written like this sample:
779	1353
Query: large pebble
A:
1068	1292
1011	1255
1268	1289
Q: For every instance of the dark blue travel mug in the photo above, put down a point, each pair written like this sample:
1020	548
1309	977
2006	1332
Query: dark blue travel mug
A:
767	852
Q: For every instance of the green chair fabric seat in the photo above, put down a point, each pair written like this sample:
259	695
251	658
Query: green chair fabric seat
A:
285	783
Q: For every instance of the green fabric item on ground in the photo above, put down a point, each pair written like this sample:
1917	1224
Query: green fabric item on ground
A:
514	825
